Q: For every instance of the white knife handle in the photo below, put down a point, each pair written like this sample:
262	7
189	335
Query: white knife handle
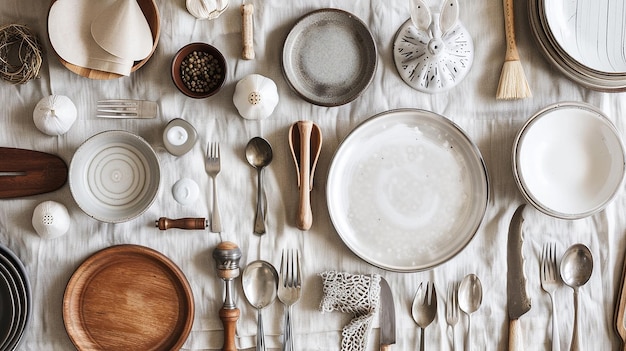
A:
516	340
385	347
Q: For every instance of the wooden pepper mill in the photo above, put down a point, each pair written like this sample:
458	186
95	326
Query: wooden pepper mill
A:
227	255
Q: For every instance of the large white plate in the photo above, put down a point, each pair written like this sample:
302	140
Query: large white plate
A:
407	190
590	31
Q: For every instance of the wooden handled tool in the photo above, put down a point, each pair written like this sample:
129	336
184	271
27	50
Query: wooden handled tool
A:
226	256
305	140
27	172
247	32
189	223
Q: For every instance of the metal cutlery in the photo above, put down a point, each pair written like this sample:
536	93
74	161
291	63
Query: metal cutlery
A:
452	309
212	167
470	298
387	317
424	308
289	290
126	108
549	283
576	269
518	302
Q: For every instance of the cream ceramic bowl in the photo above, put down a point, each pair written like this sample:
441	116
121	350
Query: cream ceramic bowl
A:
114	176
568	160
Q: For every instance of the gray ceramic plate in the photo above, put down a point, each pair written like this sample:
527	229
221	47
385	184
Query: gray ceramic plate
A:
329	57
15	271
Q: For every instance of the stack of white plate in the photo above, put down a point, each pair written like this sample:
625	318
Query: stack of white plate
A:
15	299
585	39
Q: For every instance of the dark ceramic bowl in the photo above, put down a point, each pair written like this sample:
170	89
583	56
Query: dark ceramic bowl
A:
201	77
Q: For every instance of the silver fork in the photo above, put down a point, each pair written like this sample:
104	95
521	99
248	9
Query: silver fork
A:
549	283
452	308
212	167
126	108
289	289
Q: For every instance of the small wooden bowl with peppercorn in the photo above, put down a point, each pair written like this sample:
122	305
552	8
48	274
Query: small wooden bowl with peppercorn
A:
198	70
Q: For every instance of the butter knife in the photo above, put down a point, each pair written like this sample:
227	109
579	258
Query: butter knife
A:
518	301
387	317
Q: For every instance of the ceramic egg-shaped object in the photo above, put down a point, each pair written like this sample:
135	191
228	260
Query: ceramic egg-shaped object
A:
51	219
433	51
206	9
55	114
255	96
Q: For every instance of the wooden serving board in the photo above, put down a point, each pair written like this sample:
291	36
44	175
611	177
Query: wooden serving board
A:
128	297
151	11
27	172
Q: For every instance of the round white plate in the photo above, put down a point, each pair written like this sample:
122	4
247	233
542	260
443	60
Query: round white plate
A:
114	176
568	160
407	190
329	57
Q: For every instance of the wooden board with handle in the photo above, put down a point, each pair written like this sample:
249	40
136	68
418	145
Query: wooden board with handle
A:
28	172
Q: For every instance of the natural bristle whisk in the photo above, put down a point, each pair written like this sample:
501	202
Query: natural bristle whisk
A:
513	83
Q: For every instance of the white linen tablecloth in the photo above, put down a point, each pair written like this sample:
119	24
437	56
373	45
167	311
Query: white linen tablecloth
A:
472	105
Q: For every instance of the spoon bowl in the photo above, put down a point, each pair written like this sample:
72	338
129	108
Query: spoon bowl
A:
260	286
259	154
470	298
576	268
424	308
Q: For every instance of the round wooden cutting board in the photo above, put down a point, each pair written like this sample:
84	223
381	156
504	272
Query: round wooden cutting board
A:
128	297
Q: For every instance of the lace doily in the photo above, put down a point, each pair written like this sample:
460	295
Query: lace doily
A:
354	294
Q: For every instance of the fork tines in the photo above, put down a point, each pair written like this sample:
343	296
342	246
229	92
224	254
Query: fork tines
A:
126	108
290	271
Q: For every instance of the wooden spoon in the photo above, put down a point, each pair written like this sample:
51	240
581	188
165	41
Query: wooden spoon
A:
305	142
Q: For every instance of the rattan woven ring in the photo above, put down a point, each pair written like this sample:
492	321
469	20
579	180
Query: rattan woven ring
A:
19	44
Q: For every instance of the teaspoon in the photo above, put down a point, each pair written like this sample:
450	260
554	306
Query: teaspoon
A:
260	285
470	298
576	269
259	154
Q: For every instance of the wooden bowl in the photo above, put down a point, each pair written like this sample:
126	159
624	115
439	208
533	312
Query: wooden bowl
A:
177	69
151	11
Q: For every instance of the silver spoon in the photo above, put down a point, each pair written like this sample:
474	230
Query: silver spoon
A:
259	154
260	284
470	298
576	269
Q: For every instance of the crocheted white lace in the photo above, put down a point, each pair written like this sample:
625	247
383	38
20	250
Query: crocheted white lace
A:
354	294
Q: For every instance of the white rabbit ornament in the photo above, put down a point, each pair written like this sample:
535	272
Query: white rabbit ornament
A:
432	50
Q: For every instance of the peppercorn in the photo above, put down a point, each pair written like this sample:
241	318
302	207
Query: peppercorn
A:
201	72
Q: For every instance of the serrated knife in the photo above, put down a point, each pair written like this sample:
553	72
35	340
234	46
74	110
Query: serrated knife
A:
518	301
387	317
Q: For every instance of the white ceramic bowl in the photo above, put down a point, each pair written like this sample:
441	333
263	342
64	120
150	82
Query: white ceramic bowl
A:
114	176
568	160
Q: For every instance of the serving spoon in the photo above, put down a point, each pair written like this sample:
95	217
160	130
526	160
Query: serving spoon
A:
260	286
470	298
576	268
259	155
305	142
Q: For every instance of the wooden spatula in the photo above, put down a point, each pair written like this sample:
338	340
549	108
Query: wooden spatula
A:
27	172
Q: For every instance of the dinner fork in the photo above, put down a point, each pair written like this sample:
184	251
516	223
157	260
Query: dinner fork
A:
289	289
212	167
424	308
549	283
126	108
452	308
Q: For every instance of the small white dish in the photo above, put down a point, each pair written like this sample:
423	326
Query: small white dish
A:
568	160
114	176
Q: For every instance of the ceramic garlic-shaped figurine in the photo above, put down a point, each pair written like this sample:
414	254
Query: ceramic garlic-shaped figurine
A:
54	114
433	51
51	219
255	96
206	9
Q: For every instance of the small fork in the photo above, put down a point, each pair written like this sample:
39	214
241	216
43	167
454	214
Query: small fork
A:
289	289
549	283
126	108
212	167
452	308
